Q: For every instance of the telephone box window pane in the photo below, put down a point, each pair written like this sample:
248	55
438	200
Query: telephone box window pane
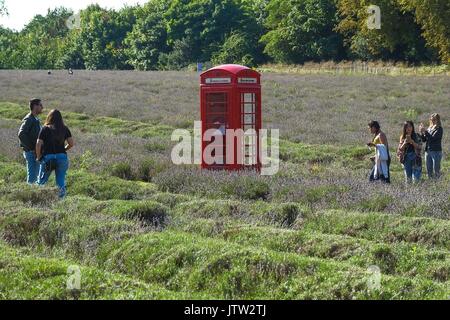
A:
216	120
249	108
217	108
250	139
249	119
248	127
217	97
250	151
249	97
250	161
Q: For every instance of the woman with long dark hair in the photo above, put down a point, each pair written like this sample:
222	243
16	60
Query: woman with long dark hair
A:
51	150
433	150
409	152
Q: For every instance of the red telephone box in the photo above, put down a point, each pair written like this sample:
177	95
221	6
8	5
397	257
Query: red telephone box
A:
230	98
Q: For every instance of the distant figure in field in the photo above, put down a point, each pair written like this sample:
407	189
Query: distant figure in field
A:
51	150
28	134
382	158
433	149
70	71
409	153
49	72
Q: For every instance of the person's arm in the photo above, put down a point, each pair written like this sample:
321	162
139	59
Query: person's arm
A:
436	136
402	144
70	143
383	139
68	137
39	144
24	130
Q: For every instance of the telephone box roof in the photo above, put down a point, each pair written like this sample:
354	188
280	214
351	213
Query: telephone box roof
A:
233	69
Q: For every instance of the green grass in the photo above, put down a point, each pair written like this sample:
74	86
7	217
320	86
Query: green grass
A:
186	262
86	123
402	258
156	240
79	182
322	154
207	253
383	227
26	276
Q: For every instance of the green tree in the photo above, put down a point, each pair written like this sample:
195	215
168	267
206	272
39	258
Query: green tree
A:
148	38
102	36
434	18
3	10
237	48
206	24
71	55
398	39
302	30
180	56
9	53
39	43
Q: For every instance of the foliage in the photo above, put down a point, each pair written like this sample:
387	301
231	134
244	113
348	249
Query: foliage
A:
399	37
3	9
432	16
147	40
302	30
166	35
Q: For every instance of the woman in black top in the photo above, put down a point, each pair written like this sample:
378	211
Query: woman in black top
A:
433	148
51	150
409	151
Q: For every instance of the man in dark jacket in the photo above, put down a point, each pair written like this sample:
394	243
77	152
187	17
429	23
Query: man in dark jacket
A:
28	134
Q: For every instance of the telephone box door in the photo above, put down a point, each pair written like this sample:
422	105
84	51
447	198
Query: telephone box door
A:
250	122
216	109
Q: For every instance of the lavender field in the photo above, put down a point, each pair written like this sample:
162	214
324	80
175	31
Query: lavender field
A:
140	227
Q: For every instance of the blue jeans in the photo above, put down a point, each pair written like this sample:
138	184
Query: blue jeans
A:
62	165
32	166
412	170
433	159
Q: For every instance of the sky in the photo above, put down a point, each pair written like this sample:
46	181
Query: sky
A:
22	11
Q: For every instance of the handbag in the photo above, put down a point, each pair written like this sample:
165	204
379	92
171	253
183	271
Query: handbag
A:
401	154
418	160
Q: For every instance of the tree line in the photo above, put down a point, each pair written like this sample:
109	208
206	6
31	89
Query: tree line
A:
173	34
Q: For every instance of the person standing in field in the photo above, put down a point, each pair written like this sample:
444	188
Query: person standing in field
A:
51	150
433	149
28	134
409	153
379	139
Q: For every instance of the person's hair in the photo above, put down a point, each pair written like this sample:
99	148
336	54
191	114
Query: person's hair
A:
374	124
405	126
438	119
34	102
55	121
